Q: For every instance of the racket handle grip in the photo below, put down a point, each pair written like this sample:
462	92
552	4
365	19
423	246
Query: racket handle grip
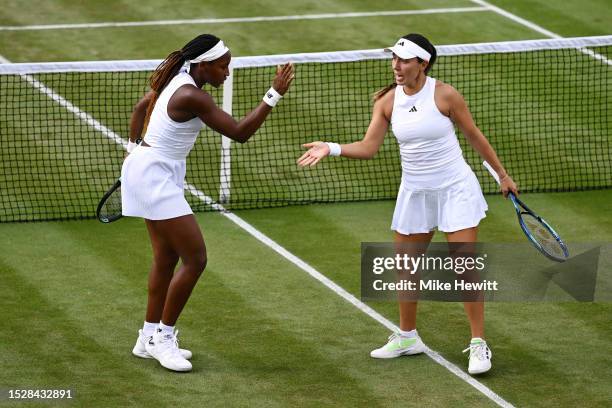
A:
493	172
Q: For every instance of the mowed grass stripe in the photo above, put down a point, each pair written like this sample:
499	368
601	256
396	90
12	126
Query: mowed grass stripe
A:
44	346
251	39
568	19
74	11
255	19
535	345
571	19
553	356
83	305
250	317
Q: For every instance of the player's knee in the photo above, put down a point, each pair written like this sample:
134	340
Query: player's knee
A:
166	262
202	261
198	262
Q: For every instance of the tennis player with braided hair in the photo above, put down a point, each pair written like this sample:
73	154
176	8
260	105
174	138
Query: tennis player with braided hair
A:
171	116
438	188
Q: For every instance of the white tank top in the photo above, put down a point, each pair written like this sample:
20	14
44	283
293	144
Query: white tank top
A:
430	153
169	138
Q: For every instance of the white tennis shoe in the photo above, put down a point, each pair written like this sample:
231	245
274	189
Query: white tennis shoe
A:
164	348
480	356
399	345
140	350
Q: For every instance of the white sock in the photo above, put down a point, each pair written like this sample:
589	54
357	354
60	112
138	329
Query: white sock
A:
477	340
165	329
408	334
149	328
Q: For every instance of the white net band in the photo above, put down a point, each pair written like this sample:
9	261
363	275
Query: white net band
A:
320	57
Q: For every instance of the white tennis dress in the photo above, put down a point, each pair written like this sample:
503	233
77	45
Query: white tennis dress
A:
152	178
438	189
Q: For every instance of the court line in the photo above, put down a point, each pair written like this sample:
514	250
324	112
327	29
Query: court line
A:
340	291
75	110
244	19
538	28
337	289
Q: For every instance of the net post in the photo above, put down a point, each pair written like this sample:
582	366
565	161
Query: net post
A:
226	143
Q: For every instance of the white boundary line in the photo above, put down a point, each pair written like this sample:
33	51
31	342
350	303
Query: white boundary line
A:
434	355
84	116
517	19
338	290
243	19
538	28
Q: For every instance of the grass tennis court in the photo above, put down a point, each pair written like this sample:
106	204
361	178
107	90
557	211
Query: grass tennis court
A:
265	333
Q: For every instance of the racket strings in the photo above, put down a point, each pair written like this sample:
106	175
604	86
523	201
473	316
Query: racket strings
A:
112	206
544	236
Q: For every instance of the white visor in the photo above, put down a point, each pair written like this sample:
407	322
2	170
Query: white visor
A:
406	49
214	53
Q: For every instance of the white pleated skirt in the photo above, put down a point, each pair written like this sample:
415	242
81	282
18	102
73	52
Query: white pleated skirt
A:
458	206
152	186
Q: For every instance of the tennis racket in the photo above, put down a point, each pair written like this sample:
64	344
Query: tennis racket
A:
538	231
109	208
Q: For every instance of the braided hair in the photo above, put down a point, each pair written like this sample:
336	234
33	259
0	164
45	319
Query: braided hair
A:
173	63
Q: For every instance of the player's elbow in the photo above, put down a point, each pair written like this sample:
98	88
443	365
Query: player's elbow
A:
243	137
367	151
239	136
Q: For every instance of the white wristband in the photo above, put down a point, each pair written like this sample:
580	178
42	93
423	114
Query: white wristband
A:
334	149
131	146
272	97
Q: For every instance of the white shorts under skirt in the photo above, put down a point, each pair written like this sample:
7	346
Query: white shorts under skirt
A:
458	206
152	186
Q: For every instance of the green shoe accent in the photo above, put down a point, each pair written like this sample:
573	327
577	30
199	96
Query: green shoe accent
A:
401	343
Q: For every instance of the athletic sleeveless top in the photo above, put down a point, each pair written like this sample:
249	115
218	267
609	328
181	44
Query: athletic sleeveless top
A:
167	137
429	150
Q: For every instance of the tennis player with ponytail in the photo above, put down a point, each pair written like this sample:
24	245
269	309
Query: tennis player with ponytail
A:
438	188
171	116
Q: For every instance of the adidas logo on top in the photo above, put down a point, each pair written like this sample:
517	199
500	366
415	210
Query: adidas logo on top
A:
413	109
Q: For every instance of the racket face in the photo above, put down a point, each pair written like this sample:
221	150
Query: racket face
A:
543	237
109	209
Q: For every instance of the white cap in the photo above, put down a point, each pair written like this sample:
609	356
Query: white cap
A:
406	49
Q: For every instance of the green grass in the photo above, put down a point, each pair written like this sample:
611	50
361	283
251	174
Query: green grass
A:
567	18
66	11
298	36
536	363
256	324
263	332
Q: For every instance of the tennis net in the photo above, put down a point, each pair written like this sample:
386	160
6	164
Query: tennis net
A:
543	105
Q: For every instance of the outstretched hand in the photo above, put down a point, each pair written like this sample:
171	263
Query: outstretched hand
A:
316	151
283	78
